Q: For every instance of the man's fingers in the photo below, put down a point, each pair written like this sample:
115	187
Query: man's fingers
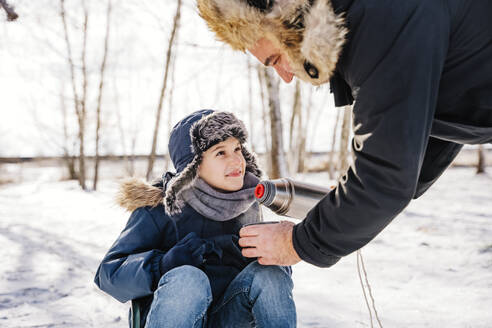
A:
248	241
248	231
264	261
250	252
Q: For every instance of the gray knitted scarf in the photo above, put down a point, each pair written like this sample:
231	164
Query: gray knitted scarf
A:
221	206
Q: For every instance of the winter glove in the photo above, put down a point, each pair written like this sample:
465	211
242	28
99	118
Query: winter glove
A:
226	251
188	251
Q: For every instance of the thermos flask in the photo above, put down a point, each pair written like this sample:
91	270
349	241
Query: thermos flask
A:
288	197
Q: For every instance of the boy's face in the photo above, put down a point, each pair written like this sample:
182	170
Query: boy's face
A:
223	166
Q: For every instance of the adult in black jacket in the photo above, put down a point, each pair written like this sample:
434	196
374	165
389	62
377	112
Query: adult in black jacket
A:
420	74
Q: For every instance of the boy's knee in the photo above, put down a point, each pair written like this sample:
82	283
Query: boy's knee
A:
182	298
271	277
188	280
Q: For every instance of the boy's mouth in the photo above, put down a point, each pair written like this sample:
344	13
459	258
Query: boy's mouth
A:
234	173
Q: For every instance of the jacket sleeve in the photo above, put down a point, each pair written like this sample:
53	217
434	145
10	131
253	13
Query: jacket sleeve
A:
398	78
130	269
438	156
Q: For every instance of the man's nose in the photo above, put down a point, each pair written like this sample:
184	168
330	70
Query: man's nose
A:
284	74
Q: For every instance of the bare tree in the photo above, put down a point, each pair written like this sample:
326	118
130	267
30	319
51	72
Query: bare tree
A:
11	14
163	91
295	130
266	136
170	106
250	105
305	116
481	160
279	167
129	167
79	100
68	158
298	130
100	94
344	140
331	160
83	100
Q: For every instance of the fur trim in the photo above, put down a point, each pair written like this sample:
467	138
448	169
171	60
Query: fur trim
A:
134	193
308	35
173	203
251	163
215	128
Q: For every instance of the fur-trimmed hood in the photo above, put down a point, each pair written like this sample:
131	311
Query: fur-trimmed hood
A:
135	193
307	31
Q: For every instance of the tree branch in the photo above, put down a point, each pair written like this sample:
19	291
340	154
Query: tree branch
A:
11	14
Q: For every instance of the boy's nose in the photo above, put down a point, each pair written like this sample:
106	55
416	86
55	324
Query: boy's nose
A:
236	159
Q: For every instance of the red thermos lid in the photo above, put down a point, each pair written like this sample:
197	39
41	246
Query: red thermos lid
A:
259	191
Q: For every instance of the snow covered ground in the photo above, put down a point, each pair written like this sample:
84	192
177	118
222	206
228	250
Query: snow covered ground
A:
432	267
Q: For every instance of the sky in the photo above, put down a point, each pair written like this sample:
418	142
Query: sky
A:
35	80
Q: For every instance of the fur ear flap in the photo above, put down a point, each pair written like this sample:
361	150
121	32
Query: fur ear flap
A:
251	163
172	201
134	193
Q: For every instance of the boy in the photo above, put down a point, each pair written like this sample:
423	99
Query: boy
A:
178	254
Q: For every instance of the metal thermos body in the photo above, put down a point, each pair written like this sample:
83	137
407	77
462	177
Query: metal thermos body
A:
288	197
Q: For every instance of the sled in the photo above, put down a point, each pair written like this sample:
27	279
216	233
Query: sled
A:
135	314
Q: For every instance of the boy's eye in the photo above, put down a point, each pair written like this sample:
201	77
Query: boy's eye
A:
220	153
237	149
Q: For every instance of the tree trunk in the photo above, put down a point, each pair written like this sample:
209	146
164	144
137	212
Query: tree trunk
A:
163	91
301	147
295	131
261	80
79	104
121	132
304	125
99	97
279	168
481	160
344	140
331	160
250	106
68	159
11	14
170	106
83	103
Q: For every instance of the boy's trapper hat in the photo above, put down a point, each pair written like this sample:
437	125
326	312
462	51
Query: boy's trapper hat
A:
192	136
307	31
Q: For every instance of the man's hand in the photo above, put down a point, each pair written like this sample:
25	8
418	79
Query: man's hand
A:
270	243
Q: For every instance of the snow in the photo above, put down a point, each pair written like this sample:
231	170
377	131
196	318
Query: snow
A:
431	267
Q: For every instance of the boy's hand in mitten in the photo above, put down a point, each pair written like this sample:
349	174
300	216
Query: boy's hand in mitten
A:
188	251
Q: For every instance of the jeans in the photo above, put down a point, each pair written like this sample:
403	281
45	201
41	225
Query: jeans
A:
259	296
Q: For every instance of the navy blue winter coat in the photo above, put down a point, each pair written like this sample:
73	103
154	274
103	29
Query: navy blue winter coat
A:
130	270
420	72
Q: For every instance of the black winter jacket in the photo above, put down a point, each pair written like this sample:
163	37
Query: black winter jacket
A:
420	72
